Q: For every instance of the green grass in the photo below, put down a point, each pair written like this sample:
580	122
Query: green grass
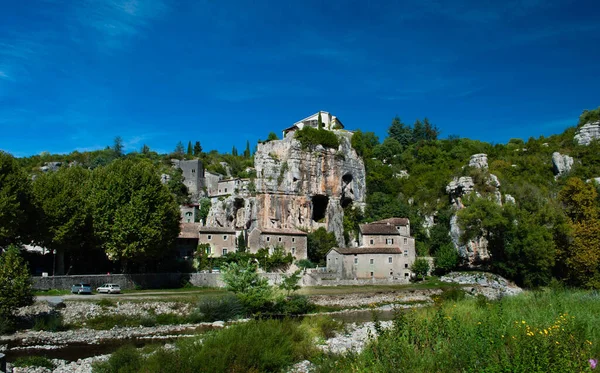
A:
34	361
51	292
534	332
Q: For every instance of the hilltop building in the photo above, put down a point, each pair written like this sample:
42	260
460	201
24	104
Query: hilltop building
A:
329	121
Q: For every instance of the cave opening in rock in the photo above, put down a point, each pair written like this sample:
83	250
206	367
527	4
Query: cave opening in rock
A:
347	178
319	207
346	201
238	203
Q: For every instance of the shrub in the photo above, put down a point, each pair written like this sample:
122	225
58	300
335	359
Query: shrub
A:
305	263
50	322
225	308
295	305
34	361
106	303
15	283
310	137
323	326
125	360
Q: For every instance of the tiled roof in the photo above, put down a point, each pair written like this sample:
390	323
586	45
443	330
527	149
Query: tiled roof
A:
287	231
393	221
368	250
216	230
188	230
376	228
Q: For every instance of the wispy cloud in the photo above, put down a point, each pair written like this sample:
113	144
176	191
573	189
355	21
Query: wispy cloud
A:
4	75
116	21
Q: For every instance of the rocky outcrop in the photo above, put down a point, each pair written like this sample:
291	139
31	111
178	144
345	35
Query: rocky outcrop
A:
458	187
478	161
296	188
474	251
561	164
587	133
487	284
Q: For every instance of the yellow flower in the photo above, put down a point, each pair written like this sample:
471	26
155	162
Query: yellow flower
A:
545	332
522	321
557	343
588	342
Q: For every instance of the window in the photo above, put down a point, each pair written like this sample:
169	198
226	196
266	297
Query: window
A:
391	273
189	213
405	265
224	251
268	238
397	227
293	239
389	241
371	261
406	275
294	252
372	274
405	252
389	259
209	237
279	239
406	241
371	242
208	250
224	237
193	170
225	190
355	260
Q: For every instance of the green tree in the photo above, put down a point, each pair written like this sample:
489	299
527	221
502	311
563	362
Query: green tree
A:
61	196
420	267
136	218
276	260
15	284
179	150
400	132
205	205
190	150
253	290
247	153
431	131
319	122
145	149
17	223
177	187
234	151
446	259
241	242
118	147
289	283
319	243
363	143
272	136
197	149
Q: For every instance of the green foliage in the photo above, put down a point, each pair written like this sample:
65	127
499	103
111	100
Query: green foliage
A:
16	208
310	137
364	143
197	149
284	168
589	116
272	136
34	361
446	259
15	283
125	360
535	332
50	322
118	147
289	283
190	150
254	291
420	267
135	216
272	260
305	263
295	305
204	209
319	243
241	242
223	308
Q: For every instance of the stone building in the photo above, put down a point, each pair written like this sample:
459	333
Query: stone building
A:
329	122
187	242
221	240
292	240
189	213
386	251
193	173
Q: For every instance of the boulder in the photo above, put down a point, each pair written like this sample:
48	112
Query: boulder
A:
587	133
479	161
561	164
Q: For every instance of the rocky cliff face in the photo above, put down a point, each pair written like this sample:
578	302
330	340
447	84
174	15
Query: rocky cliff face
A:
561	164
297	189
588	133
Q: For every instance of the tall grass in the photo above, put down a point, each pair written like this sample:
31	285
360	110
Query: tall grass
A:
533	332
255	346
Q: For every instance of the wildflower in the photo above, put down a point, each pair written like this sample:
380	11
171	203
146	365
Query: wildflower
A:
522	321
588	342
545	331
593	363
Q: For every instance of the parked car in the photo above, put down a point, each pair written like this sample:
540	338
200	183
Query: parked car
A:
109	288
81	288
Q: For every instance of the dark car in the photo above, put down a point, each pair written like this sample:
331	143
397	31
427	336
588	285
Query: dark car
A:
81	288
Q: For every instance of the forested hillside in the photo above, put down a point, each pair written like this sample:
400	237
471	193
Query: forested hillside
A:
108	202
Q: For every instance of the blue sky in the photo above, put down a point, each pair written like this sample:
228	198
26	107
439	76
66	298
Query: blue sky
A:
75	74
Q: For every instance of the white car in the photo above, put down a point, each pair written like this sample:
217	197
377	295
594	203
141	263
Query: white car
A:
109	288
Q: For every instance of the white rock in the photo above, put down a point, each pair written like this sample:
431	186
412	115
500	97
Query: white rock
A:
478	161
561	163
587	133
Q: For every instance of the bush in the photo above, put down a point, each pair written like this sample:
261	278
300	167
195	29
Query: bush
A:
225	308
324	326
295	305
305	263
125	360
310	137
34	361
15	283
50	322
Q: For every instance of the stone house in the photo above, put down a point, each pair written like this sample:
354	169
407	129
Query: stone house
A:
187	242
189	213
193	174
292	240
221	240
386	250
329	122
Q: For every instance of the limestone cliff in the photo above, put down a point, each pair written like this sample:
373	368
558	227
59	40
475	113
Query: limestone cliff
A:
586	134
295	188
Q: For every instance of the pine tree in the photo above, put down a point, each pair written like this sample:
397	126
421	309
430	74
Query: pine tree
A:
320	121
197	149
247	151
145	149
179	149
189	148
234	151
118	147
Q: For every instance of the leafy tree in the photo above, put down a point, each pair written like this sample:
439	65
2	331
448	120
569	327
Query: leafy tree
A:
431	131
289	283
419	131
66	219
205	205
589	116
310	137
253	290
364	143
118	147
197	149
241	242
17	211
272	136
278	260
135	217
420	267
319	243
15	283
446	259
145	149
190	150
177	187
388	150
